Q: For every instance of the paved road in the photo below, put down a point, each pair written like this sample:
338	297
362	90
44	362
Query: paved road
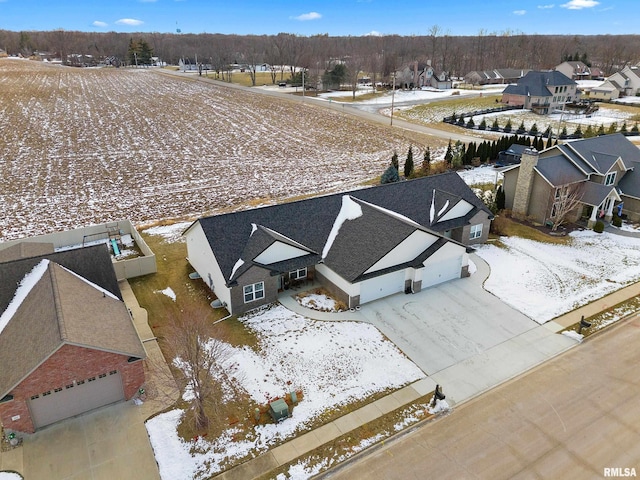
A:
570	418
365	112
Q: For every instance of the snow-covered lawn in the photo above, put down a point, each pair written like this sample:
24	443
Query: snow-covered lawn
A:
333	363
318	301
545	280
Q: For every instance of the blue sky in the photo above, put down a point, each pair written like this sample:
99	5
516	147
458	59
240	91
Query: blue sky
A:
333	17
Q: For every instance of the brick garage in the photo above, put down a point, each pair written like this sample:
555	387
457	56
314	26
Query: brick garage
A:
67	342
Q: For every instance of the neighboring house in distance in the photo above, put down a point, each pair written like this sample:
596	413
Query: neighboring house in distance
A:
626	82
605	91
495	77
604	170
542	92
361	245
67	342
418	75
575	70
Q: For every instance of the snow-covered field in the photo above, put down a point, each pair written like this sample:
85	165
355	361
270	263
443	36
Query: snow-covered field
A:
333	363
83	146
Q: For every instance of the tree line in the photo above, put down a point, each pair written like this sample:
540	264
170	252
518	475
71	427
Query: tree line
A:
378	56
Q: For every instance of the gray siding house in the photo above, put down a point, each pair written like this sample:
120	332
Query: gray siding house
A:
606	170
360	245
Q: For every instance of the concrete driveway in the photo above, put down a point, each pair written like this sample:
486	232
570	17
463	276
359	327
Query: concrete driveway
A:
463	337
109	443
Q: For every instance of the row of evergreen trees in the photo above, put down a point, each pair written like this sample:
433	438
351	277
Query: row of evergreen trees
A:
458	155
590	131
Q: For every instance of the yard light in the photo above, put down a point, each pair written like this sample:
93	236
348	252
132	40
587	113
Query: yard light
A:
437	395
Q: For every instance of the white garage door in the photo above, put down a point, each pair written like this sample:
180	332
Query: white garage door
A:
441	272
381	286
74	399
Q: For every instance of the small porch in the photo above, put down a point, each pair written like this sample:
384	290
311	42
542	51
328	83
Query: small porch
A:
599	202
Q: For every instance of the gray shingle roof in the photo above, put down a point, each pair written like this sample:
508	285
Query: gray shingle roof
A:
535	83
595	193
557	171
60	308
309	221
615	144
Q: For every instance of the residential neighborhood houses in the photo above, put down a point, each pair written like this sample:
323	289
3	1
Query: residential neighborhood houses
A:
68	343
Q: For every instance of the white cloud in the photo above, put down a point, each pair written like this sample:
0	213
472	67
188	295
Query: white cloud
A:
579	4
551	5
519	12
98	23
373	33
308	16
132	22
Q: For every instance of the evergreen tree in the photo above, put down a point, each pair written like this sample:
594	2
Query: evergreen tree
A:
390	175
613	128
507	128
495	127
549	140
623	129
408	163
547	131
471	123
460	121
426	161
533	130
521	128
458	155
588	133
563	133
483	125
448	156
634	129
578	132
500	198
394	160
470	153
601	130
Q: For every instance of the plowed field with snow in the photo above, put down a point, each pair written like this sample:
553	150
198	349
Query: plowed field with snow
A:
83	146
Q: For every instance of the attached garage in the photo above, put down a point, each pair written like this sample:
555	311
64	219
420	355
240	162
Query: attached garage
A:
382	286
442	271
76	398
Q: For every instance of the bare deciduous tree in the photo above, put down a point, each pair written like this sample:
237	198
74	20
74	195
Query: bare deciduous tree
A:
564	200
199	357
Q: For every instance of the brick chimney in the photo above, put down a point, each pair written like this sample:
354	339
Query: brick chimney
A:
525	181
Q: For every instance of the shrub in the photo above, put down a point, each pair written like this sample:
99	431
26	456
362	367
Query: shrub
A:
599	226
500	225
617	221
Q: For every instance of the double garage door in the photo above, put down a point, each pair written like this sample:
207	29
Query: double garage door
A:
74	399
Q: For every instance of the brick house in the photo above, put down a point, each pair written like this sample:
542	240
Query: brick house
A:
67	342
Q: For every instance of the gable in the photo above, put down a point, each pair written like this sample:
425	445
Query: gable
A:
460	209
278	252
406	251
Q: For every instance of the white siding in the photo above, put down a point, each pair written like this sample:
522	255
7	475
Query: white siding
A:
278	252
460	209
382	286
347	287
203	261
445	264
407	250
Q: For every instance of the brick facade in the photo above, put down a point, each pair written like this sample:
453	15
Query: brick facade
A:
68	364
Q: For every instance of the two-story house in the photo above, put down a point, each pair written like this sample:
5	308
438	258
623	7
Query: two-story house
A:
603	172
541	91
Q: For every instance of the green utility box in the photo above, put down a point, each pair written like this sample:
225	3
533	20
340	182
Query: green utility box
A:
279	410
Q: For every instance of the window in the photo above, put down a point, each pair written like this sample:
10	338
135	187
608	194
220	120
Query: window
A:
610	178
253	292
57	390
297	274
46	393
476	231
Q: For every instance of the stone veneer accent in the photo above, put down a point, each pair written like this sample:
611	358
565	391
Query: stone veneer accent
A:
525	181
